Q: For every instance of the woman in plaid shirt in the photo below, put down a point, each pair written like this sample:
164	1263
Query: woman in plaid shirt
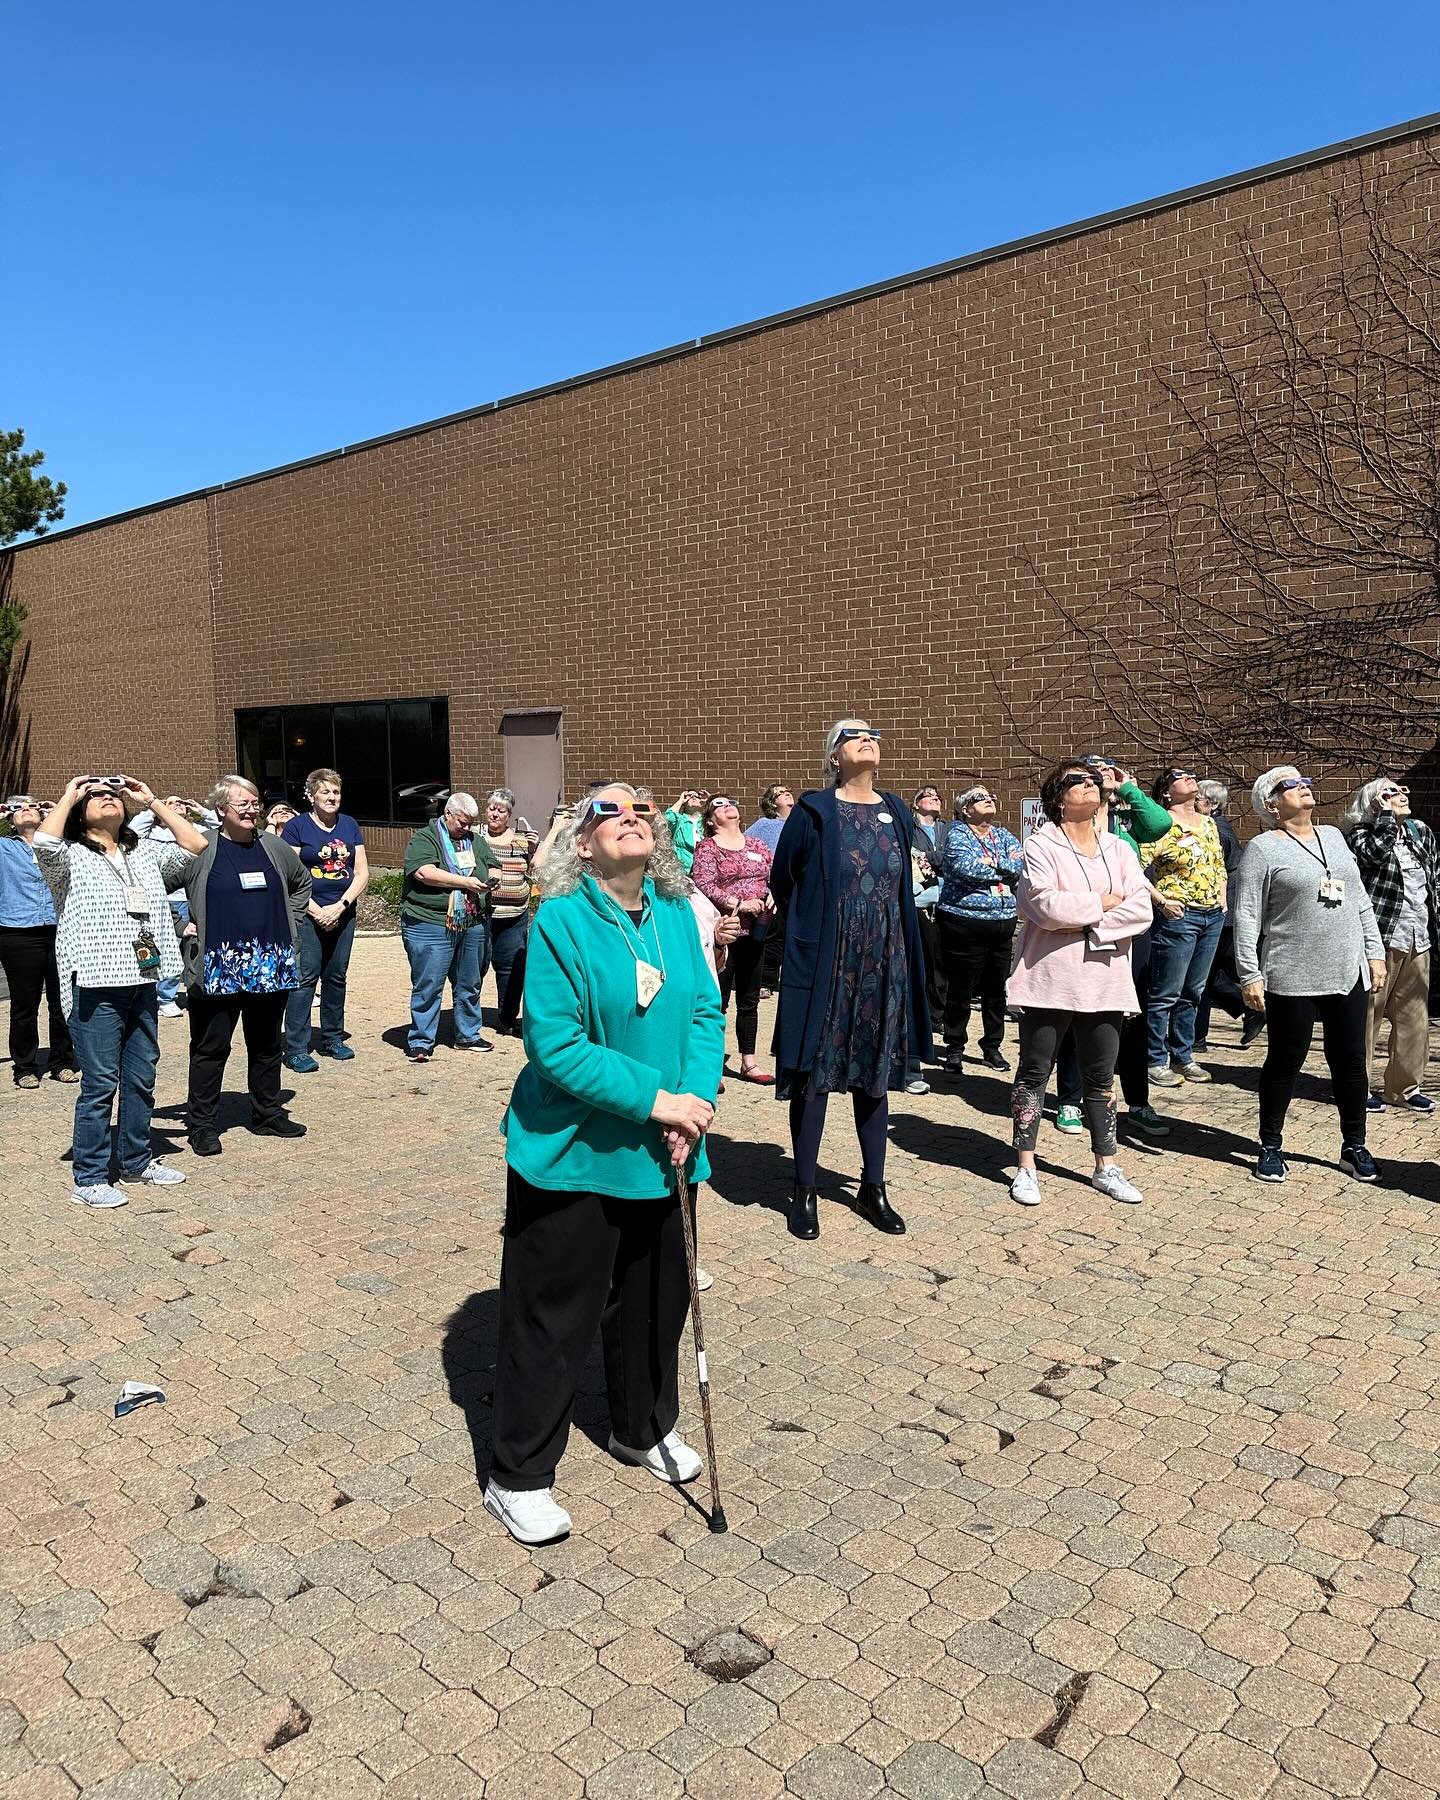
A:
1399	862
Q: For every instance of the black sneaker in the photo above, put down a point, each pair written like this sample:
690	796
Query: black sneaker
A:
282	1126
1356	1160
1251	1029
205	1143
994	1060
1271	1165
1375	1103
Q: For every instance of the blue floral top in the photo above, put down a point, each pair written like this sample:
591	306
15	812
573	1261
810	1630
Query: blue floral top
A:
978	875
248	945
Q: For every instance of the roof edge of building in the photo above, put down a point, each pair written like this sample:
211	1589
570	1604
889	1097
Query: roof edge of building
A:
1390	134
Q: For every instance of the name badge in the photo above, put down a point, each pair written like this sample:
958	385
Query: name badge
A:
251	879
137	903
1332	890
755	856
885	818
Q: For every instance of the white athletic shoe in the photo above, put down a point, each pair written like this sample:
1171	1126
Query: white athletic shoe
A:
1025	1189
1112	1183
672	1459
704	1280
99	1194
155	1174
530	1515
171	1011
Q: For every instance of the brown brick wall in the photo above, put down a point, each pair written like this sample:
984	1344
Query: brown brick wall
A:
703	561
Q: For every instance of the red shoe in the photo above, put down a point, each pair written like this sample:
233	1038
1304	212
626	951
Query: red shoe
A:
758	1077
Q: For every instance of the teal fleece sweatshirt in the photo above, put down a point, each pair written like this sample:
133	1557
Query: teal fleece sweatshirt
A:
579	1117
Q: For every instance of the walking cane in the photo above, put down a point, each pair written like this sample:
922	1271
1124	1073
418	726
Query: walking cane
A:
718	1521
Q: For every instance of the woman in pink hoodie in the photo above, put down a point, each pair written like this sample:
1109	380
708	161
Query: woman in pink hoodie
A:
1081	901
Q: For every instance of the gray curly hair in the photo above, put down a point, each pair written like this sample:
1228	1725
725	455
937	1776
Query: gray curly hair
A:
564	870
501	797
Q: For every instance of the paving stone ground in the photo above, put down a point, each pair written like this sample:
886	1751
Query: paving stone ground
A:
1087	1500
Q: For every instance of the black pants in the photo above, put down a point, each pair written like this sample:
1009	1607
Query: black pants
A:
27	955
572	1262
508	938
1097	1045
930	942
770	962
741	977
1291	1021
1223	987
976	953
213	1018
1132	1066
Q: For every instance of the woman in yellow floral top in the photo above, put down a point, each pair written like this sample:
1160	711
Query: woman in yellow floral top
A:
1187	870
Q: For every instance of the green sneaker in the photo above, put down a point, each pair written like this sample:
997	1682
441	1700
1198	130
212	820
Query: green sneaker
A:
1069	1119
1148	1121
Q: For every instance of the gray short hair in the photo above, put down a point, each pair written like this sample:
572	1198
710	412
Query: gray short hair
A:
832	738
966	795
563	870
219	796
1216	793
1265	786
501	797
466	803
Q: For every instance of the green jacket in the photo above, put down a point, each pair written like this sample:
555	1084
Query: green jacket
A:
684	833
1137	818
423	905
579	1116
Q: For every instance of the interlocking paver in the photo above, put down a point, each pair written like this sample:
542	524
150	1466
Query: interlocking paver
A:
1189	1453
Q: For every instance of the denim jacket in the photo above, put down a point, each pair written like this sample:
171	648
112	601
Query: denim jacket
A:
969	880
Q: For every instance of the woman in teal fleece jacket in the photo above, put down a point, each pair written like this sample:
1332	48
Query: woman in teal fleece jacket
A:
624	1038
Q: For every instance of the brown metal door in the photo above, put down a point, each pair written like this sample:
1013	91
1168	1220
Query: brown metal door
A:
534	763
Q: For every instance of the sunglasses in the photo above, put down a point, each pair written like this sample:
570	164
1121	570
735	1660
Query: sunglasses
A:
612	809
716	800
1385	794
1299	781
851	732
1075	781
1181	775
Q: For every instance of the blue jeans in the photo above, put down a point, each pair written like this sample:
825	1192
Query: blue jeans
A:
1181	952
508	938
324	958
117	1045
167	992
438	955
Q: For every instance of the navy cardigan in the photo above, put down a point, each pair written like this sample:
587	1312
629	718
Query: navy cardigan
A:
803	881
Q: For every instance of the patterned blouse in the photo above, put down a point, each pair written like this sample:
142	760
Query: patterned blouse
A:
95	934
1188	864
726	876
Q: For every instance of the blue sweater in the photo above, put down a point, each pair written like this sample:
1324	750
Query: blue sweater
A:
968	887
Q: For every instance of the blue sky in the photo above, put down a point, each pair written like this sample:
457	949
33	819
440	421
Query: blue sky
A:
256	233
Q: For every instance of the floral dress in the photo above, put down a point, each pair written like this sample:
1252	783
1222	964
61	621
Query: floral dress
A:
249	943
863	1040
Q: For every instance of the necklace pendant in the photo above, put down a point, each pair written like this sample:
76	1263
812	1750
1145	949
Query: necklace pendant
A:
648	982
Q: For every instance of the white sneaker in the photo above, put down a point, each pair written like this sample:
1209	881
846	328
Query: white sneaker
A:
99	1194
1025	1189
917	1086
704	1280
1111	1182
154	1174
530	1515
672	1459
171	1011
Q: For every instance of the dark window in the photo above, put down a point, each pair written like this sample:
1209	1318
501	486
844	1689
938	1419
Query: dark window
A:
393	756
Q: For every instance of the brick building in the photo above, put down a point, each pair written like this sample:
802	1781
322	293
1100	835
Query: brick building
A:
681	568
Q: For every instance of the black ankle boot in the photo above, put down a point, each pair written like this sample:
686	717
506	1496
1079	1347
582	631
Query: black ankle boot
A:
875	1206
803	1222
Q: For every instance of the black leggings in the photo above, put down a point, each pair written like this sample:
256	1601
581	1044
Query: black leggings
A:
742	978
807	1127
1291	1020
1097	1044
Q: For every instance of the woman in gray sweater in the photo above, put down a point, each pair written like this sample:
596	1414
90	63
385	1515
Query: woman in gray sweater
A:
1306	948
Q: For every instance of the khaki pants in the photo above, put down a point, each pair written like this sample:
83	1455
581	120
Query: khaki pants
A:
1405	1002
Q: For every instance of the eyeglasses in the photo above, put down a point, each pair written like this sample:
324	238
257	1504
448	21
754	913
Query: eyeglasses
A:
1385	794
1298	781
246	806
1076	781
612	809
848	734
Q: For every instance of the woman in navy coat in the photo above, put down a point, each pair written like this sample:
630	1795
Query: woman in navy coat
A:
852	998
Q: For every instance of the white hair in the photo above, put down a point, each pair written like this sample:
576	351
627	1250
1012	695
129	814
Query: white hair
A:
501	797
1216	793
466	803
564	868
219	796
1364	804
832	738
1265	786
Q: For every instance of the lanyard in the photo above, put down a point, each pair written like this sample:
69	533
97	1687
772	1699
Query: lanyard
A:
1082	860
1322	859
